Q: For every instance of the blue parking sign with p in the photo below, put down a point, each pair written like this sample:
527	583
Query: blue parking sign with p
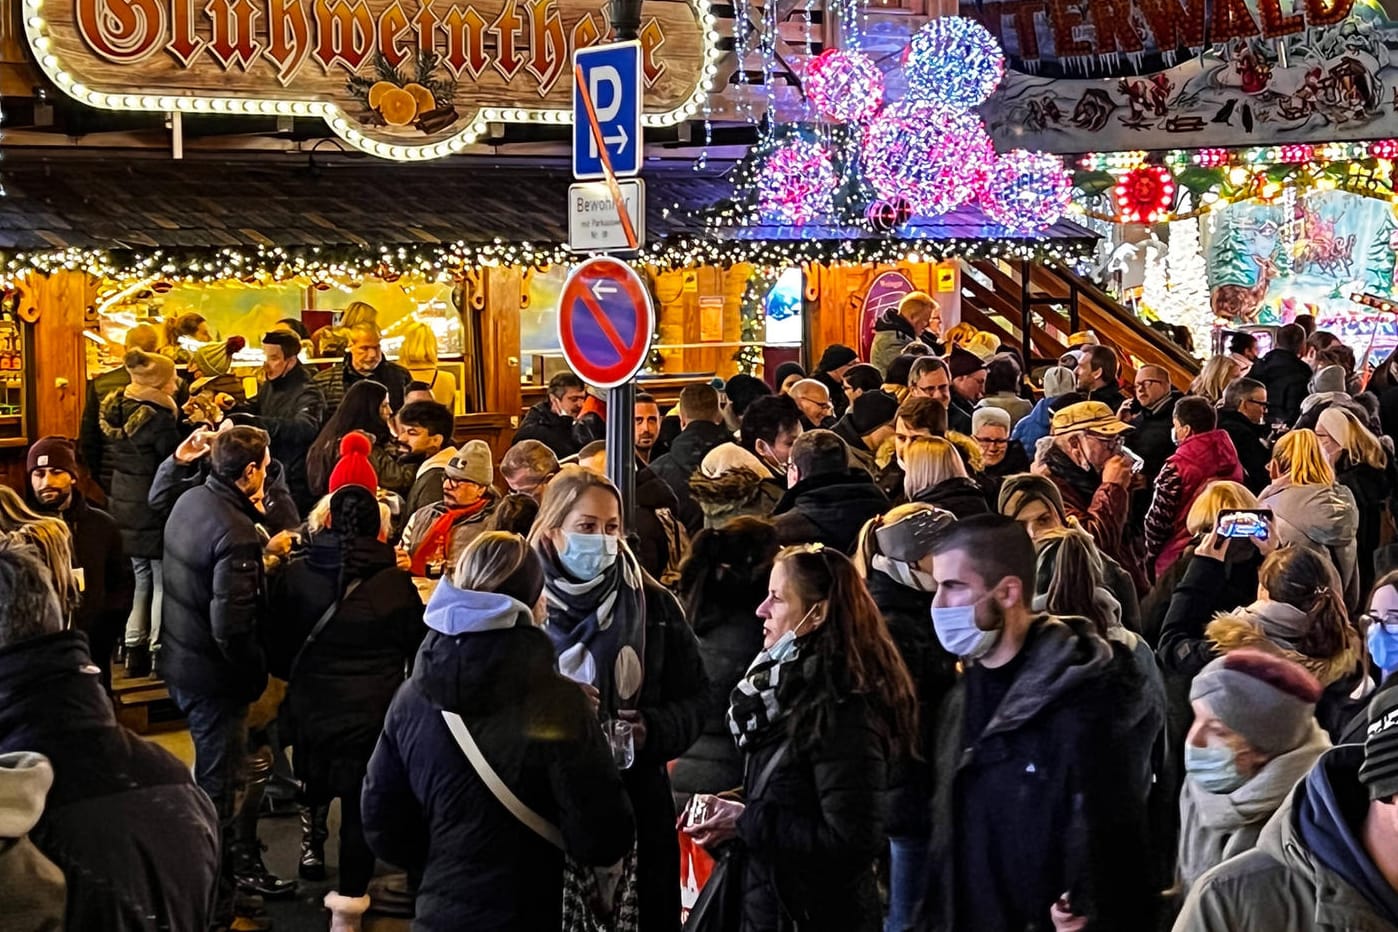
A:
612	75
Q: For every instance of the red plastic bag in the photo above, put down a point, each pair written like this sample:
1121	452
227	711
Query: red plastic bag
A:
696	865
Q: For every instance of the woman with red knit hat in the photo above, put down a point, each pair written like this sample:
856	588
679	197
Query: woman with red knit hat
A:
365	409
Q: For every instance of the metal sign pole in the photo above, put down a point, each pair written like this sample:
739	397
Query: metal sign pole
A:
621	453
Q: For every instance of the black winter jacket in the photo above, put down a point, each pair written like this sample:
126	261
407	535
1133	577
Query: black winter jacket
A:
90	438
681	464
346	679
554	431
962	497
1051	796
137	437
215	595
1372	489
335	381
136	840
1150	437
813	832
652	495
292	409
828	509
427	810
1250	441
174	479
1287	379
908	615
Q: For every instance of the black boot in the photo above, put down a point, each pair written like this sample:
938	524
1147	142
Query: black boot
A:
314	832
137	662
254	877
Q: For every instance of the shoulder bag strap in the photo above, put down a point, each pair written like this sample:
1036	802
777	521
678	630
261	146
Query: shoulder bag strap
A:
537	823
320	624
760	783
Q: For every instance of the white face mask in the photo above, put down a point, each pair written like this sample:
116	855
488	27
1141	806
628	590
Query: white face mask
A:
785	647
956	629
585	556
905	574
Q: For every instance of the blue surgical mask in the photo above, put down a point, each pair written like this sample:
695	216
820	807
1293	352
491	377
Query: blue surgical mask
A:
586	556
1383	647
1215	769
785	647
956	629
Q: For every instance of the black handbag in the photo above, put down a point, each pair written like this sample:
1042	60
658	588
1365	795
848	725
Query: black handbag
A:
719	906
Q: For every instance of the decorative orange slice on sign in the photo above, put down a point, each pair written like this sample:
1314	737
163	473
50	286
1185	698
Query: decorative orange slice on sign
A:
377	91
398	107
425	101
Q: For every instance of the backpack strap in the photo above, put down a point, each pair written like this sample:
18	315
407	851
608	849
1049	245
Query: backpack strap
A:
535	822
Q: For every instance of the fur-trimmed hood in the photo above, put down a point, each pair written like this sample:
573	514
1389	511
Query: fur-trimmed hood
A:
736	487
1243	627
968	448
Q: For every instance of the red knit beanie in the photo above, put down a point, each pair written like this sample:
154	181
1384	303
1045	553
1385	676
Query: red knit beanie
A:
354	467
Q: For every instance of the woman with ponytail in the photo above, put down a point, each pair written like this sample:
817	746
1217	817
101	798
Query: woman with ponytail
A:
821	712
342	675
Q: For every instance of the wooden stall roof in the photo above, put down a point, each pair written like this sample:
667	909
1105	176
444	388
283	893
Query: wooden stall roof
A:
119	202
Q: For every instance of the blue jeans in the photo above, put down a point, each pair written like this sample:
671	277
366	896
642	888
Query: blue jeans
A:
907	882
219	728
143	624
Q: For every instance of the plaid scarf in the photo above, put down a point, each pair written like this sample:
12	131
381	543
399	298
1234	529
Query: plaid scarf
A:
598	627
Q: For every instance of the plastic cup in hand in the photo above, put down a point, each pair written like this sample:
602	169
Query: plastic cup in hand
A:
623	742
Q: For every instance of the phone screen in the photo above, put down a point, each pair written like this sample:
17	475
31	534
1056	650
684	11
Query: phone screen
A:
1245	522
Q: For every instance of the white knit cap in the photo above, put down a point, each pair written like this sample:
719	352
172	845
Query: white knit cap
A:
989	415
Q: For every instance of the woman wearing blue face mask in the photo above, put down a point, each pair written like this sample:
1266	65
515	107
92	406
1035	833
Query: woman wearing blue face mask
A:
617	631
1380	627
824	708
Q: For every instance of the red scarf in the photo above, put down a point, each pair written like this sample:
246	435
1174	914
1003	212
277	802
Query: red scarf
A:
435	542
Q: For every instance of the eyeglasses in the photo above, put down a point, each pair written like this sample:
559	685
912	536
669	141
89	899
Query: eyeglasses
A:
1389	620
1142	383
992	441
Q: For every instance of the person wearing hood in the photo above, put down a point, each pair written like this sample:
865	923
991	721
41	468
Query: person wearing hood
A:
291	408
936	475
1328	859
1285	374
1253	739
1362	464
485	675
820	713
967	372
105	574
1038	814
136	839
354	619
437	534
917	318
551	420
701	430
1094	480
1310	509
866	426
722	584
1203	454
425	430
616	630
830	371
35	890
827	501
732	482
895	558
1028	430
363	360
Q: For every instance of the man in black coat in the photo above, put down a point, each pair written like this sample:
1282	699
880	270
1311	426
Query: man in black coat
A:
142	337
1097	372
1285	375
136	840
1244	418
214	604
363	360
1042	757
830	371
1152	414
701	430
967	373
827	501
551	421
291	409
104	573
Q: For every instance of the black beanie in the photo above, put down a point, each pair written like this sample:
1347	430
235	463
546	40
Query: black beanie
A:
1379	772
835	356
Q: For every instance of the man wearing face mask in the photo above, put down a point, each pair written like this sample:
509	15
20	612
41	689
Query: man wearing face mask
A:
1094	480
769	429
1039	813
1253	739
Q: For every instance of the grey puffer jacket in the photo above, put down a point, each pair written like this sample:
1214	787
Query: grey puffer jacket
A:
1324	518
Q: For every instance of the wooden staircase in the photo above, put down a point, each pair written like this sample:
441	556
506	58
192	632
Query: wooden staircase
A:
1050	302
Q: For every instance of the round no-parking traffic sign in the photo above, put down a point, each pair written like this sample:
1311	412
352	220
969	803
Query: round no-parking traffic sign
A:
605	322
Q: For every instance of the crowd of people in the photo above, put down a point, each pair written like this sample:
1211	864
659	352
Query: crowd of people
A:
925	642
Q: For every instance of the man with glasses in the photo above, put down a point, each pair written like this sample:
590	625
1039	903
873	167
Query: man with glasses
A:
1000	456
1151	413
1094	478
1244	418
437	534
813	399
527	468
929	378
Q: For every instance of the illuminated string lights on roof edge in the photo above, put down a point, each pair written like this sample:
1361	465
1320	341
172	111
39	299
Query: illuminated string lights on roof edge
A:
341	125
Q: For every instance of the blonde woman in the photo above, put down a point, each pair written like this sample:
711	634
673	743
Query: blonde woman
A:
419	356
50	537
959	335
1311	509
936	474
1363	465
1216	375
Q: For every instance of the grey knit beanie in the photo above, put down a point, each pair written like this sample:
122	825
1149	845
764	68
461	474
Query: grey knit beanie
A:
1267	699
